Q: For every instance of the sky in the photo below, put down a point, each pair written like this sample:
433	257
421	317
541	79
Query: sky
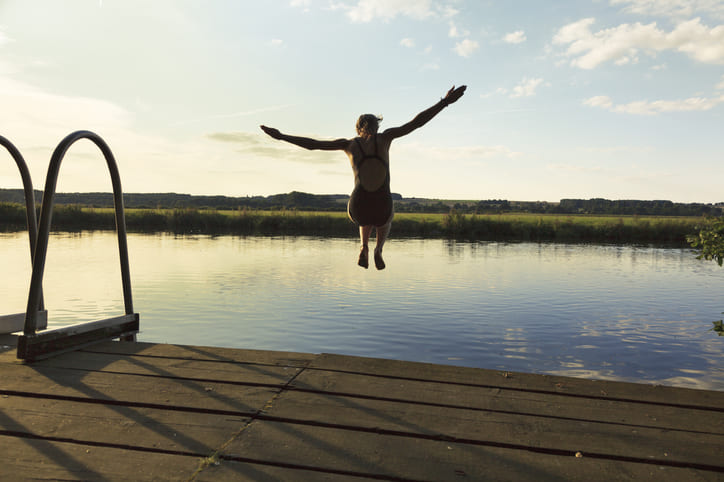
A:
618	99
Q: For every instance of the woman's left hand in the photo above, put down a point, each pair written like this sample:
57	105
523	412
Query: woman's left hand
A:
454	94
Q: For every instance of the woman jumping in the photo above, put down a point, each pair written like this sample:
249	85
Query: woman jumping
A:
370	204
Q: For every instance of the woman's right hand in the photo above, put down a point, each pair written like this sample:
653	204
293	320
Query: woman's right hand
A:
272	132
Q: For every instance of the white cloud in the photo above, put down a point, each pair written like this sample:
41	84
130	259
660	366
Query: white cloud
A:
622	44
498	91
672	8
613	149
147	162
644	107
276	42
515	37
230	115
305	5
630	59
448	11
574	32
368	10
258	144
573	168
466	47
720	85
407	42
526	88
43	109
455	32
474	152
414	150
599	101
4	39
697	40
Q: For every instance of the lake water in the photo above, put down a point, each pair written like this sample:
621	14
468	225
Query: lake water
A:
607	312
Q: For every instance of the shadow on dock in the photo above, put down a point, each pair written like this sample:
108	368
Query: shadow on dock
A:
139	411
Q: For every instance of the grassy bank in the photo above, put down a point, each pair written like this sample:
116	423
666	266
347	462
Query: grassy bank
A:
497	227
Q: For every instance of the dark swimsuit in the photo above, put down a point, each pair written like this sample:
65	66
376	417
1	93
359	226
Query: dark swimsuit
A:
370	207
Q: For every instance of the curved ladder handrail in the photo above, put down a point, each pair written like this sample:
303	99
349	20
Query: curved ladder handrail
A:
46	212
30	215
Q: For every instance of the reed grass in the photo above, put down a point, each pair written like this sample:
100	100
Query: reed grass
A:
497	227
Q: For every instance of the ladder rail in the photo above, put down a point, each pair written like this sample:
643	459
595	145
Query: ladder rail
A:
30	215
43	234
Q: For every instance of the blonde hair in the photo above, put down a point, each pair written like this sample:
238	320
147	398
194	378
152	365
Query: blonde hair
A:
367	124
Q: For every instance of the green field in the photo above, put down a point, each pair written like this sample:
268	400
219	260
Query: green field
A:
498	227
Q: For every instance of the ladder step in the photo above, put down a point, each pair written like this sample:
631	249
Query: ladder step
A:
16	322
54	342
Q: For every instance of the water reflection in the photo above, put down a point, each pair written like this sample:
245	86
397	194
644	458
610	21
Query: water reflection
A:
608	312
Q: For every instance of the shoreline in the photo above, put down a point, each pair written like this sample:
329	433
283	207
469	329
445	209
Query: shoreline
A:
523	227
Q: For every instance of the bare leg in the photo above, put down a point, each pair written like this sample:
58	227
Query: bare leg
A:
382	233
364	234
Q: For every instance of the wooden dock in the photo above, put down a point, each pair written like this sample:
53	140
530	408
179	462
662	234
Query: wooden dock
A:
139	411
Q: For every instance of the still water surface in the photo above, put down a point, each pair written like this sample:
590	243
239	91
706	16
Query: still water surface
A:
609	312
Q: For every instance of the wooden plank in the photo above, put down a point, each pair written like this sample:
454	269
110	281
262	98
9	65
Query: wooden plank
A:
520	381
118	425
204	353
8	343
12	323
8	349
60	340
514	401
401	458
231	470
134	389
16	322
526	431
38	459
346	418
211	370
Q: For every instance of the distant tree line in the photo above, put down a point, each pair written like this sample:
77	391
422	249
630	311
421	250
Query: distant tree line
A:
338	202
565	206
653	208
292	200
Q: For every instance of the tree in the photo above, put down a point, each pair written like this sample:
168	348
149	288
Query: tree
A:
710	240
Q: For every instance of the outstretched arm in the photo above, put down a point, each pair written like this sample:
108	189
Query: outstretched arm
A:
426	115
306	142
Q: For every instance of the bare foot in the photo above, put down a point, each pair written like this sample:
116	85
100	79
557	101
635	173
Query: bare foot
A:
363	255
379	262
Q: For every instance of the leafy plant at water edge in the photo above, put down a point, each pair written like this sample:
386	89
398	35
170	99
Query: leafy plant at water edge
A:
710	240
718	327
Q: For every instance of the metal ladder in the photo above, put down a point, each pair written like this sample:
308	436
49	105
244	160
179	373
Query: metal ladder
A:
16	322
33	345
